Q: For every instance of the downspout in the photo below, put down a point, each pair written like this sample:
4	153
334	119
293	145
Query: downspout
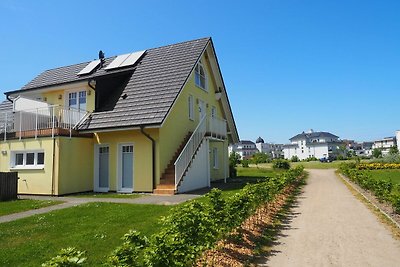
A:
52	171
153	149
9	99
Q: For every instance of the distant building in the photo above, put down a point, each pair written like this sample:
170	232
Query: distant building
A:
385	144
245	148
398	138
312	144
273	150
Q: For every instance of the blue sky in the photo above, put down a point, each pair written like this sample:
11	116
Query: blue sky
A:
288	65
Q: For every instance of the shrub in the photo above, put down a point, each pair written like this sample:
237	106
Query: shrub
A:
281	164
245	163
295	159
67	257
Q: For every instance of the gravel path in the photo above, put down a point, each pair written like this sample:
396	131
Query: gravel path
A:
330	227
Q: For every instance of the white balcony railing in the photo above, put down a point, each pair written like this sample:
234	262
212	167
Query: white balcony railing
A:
217	127
31	121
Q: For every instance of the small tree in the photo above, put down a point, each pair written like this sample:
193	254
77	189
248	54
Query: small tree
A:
259	158
295	159
393	150
377	153
234	159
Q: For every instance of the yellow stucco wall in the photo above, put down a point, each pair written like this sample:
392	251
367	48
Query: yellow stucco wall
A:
220	172
178	124
142	152
32	181
75	165
53	96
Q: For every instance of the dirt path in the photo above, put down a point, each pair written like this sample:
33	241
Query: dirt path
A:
330	227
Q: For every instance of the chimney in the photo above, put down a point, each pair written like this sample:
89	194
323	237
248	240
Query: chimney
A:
101	57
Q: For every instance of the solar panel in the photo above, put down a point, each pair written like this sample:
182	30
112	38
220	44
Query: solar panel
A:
117	62
125	60
133	57
89	67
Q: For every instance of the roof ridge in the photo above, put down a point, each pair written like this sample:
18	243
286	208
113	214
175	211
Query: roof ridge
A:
163	46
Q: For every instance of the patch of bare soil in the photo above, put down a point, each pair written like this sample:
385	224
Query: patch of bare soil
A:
238	249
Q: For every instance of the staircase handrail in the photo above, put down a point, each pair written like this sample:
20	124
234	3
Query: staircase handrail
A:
190	149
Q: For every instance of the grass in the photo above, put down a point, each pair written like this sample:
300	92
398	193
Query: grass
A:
19	205
94	227
311	164
105	195
386	175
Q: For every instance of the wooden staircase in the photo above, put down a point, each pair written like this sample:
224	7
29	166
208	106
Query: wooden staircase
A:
167	180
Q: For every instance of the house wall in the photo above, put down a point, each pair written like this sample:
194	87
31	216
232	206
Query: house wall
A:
177	124
32	181
52	95
142	152
75	165
219	172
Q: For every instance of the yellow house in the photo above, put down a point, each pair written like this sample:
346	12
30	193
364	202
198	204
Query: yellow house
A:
157	120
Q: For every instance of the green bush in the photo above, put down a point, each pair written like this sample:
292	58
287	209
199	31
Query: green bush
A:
295	159
245	163
67	257
195	226
383	190
281	164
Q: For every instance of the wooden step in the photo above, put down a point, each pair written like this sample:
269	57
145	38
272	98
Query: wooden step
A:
166	186
164	191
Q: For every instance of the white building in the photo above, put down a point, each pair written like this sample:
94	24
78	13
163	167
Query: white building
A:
385	144
245	148
273	150
312	144
398	138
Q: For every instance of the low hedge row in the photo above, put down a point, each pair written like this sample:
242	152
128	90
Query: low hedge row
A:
378	166
383	190
196	226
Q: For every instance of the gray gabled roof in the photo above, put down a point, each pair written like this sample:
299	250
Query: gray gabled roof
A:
154	84
304	135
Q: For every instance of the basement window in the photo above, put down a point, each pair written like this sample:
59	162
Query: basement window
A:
27	160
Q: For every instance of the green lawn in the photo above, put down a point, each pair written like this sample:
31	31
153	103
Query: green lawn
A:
19	205
387	175
311	164
104	195
94	227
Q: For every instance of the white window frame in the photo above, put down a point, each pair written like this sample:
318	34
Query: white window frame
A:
213	112
77	91
191	107
24	166
197	82
215	157
119	168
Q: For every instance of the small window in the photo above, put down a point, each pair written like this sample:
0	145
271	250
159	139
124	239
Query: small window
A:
191	107
215	158
200	76
213	112
27	160
40	158
30	158
19	159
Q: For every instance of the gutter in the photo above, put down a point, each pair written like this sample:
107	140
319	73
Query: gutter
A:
153	149
9	99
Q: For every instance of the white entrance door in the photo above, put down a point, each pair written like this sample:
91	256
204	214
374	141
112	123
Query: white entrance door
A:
126	168
202	109
102	159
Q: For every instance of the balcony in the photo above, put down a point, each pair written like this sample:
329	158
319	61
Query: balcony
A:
39	122
216	128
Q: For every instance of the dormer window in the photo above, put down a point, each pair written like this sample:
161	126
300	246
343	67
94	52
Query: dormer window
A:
200	76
